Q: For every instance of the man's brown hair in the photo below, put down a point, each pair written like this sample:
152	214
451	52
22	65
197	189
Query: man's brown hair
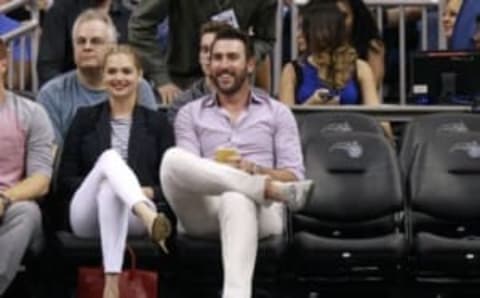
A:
214	27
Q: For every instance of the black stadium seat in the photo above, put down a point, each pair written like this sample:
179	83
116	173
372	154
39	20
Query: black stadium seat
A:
445	207
198	262
352	226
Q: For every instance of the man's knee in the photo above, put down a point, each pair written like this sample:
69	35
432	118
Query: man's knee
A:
233	203
171	155
25	212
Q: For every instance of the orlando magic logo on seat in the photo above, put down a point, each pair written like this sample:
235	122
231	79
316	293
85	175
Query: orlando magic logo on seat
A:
471	148
352	148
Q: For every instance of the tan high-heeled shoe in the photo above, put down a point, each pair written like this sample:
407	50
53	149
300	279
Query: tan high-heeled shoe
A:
161	230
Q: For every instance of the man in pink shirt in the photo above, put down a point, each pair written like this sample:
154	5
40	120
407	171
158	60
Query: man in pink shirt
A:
240	197
26	155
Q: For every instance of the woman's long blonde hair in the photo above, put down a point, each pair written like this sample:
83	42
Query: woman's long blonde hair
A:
328	44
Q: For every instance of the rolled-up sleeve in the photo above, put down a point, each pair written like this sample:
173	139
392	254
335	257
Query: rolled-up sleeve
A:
40	144
287	143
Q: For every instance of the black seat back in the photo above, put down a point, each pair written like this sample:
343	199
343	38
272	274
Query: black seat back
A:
357	185
444	185
424	128
331	123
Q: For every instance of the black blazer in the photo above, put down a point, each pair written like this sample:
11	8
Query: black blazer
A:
90	135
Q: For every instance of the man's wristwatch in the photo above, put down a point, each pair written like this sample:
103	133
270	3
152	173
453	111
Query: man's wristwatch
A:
6	201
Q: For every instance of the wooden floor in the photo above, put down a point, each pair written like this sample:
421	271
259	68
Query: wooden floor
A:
20	289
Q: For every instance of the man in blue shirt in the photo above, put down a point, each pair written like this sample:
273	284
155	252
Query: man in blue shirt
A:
93	35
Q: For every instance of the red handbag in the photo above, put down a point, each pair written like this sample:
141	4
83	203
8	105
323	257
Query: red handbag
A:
132	282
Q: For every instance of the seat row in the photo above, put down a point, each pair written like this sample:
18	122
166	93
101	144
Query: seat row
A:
373	215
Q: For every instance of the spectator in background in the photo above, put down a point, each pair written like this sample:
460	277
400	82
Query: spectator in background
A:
452	9
109	167
93	35
55	50
26	157
180	68
362	31
21	56
243	199
203	86
364	36
331	73
466	25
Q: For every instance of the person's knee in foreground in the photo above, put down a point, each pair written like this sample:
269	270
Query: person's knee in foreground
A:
237	162
26	157
109	164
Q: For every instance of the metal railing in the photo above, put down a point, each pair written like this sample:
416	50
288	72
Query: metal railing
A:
277	51
26	36
384	112
378	7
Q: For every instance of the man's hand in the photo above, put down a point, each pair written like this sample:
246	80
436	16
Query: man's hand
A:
2	209
242	164
168	92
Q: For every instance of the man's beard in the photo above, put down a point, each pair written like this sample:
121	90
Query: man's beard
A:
238	81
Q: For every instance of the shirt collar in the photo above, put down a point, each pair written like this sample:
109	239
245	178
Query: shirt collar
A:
211	100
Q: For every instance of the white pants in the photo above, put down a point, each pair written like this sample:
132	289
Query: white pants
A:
211	199
102	206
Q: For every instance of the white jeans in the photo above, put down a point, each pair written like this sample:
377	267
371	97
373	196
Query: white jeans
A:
211	199
102	206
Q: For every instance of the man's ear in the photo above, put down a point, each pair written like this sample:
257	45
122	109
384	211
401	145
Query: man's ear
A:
251	63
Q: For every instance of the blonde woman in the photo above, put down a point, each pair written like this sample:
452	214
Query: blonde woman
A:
109	167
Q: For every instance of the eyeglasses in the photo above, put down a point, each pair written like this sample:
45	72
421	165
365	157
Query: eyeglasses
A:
94	41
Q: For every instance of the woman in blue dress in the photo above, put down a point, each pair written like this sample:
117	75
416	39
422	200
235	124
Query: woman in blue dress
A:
331	72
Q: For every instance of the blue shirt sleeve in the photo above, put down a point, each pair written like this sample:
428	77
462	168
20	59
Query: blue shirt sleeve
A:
146	97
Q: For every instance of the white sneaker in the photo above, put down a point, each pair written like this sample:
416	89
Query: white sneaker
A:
297	193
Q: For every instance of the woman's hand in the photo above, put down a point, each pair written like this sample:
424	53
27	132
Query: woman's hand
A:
148	192
322	97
